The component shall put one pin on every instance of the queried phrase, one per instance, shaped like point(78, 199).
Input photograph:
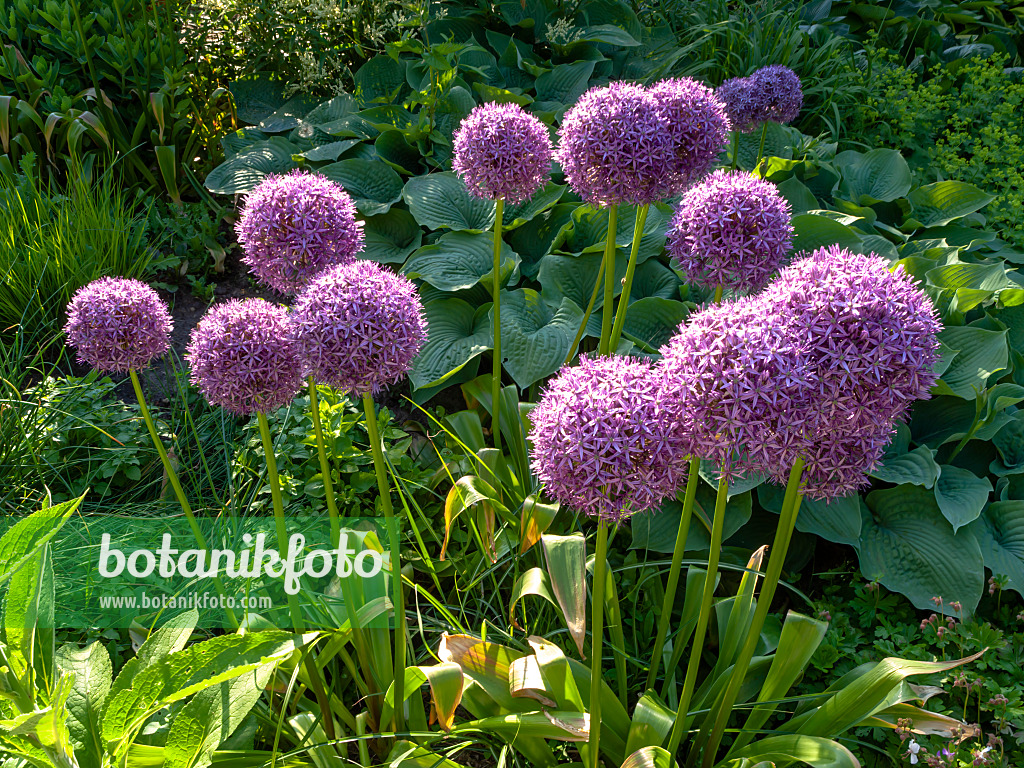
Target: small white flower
point(912, 749)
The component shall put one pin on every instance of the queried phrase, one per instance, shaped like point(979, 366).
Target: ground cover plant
point(668, 368)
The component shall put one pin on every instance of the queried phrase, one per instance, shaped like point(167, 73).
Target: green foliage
point(53, 243)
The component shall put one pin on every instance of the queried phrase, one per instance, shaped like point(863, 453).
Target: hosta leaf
point(590, 227)
point(330, 151)
point(460, 260)
point(441, 201)
point(236, 141)
point(607, 33)
point(535, 337)
point(1000, 532)
point(881, 174)
point(533, 240)
point(373, 184)
point(565, 83)
point(257, 96)
point(379, 79)
point(652, 278)
point(811, 231)
point(651, 322)
point(330, 111)
point(562, 276)
point(909, 547)
point(1009, 441)
point(456, 333)
point(938, 204)
point(838, 520)
point(251, 165)
point(961, 495)
point(394, 150)
point(917, 467)
point(542, 200)
point(288, 115)
point(981, 353)
point(391, 237)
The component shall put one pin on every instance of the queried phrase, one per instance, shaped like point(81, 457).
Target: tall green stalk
point(780, 547)
point(325, 466)
point(596, 641)
point(586, 315)
point(697, 650)
point(499, 210)
point(380, 468)
point(627, 285)
point(609, 280)
point(172, 477)
point(275, 495)
point(735, 149)
point(760, 148)
point(692, 481)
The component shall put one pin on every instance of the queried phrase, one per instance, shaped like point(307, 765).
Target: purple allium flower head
point(359, 326)
point(731, 230)
point(698, 125)
point(117, 324)
point(295, 225)
point(739, 95)
point(779, 94)
point(870, 337)
point(502, 152)
point(730, 377)
point(243, 357)
point(615, 146)
point(601, 440)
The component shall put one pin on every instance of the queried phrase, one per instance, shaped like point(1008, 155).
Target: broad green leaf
point(562, 276)
point(518, 214)
point(243, 172)
point(373, 184)
point(381, 78)
point(446, 685)
point(1009, 442)
point(493, 94)
point(25, 537)
point(288, 115)
point(394, 150)
point(917, 467)
point(961, 495)
point(566, 561)
point(234, 142)
point(607, 33)
point(649, 757)
point(981, 353)
point(468, 491)
point(1000, 533)
point(93, 674)
point(565, 83)
point(800, 198)
point(652, 321)
point(819, 752)
point(187, 672)
point(28, 621)
point(212, 716)
point(984, 277)
point(589, 230)
point(391, 237)
point(909, 547)
point(460, 260)
point(456, 333)
point(441, 201)
point(257, 96)
point(878, 175)
point(535, 337)
point(329, 112)
point(838, 520)
point(534, 582)
point(651, 724)
point(652, 278)
point(329, 152)
point(938, 204)
point(535, 239)
point(812, 231)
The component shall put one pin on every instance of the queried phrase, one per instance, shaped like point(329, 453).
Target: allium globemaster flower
point(739, 97)
point(731, 377)
point(731, 230)
point(502, 152)
point(871, 341)
point(243, 357)
point(295, 225)
point(615, 146)
point(601, 441)
point(358, 327)
point(771, 93)
point(118, 324)
point(697, 124)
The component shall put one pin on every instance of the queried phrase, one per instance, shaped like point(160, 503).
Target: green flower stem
point(596, 640)
point(275, 495)
point(586, 315)
point(735, 149)
point(325, 467)
point(696, 651)
point(396, 563)
point(718, 295)
point(692, 481)
point(609, 279)
point(627, 285)
point(760, 147)
point(780, 547)
point(499, 210)
point(172, 477)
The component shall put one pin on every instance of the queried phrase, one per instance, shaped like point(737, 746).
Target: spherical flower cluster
point(779, 93)
point(601, 440)
point(697, 124)
point(771, 93)
point(296, 225)
point(243, 357)
point(502, 152)
point(731, 376)
point(616, 147)
point(870, 338)
point(358, 327)
point(117, 324)
point(731, 230)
